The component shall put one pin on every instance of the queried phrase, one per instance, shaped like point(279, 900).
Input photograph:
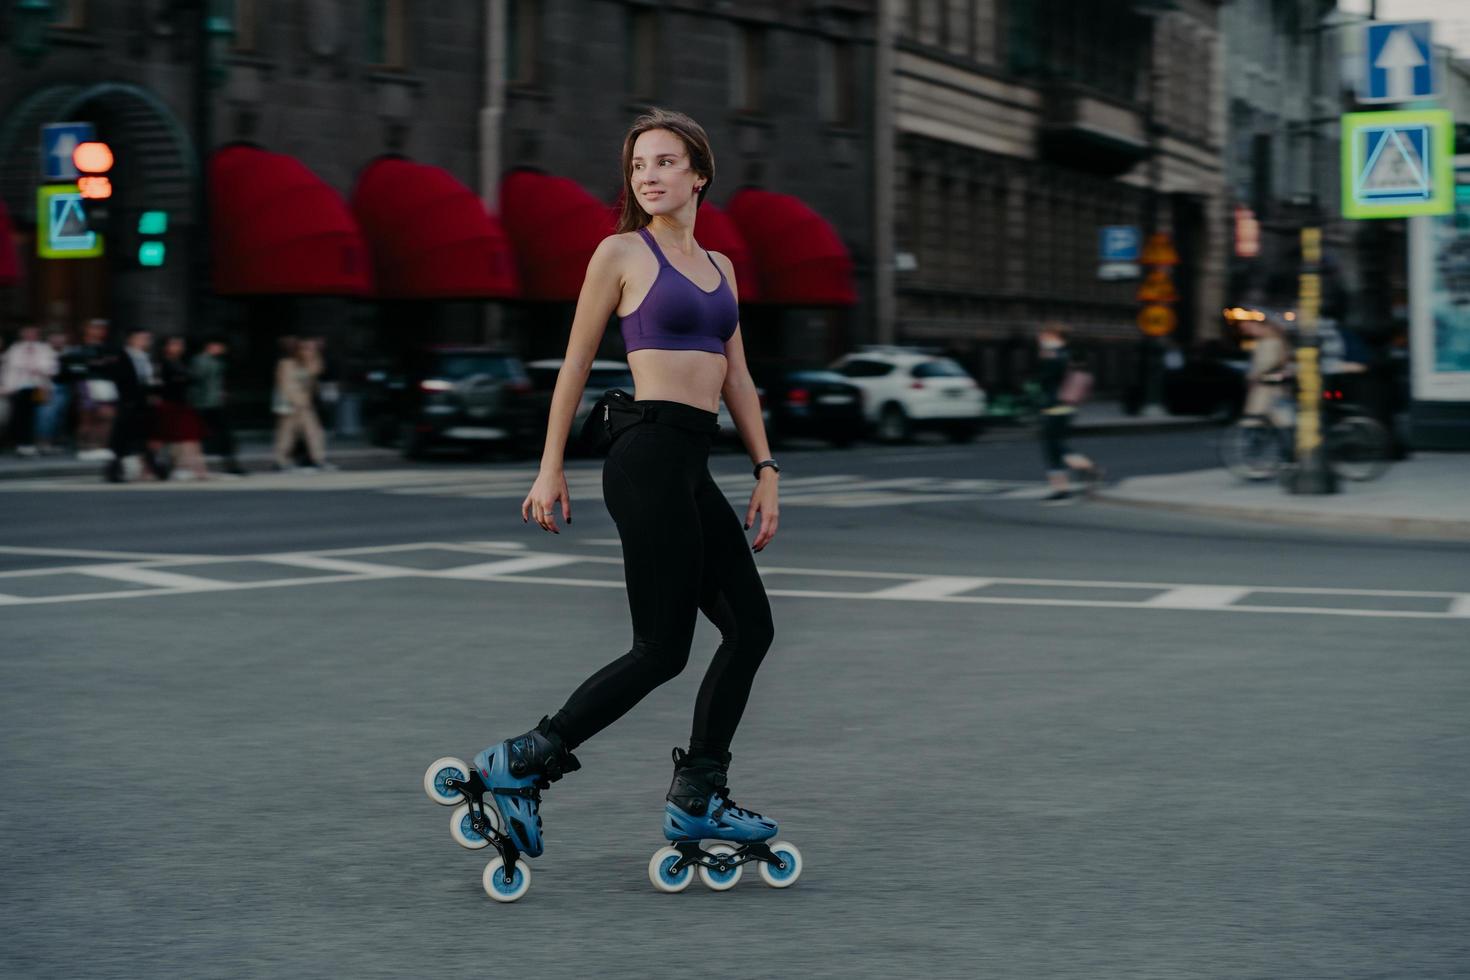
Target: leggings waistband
point(676, 414)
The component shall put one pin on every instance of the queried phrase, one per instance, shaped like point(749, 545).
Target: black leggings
point(684, 552)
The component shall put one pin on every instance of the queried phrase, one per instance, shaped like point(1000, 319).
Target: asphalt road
point(1010, 740)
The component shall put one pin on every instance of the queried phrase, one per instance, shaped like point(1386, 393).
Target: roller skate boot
point(699, 808)
point(512, 774)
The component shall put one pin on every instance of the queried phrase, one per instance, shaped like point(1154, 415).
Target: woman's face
point(661, 177)
point(174, 348)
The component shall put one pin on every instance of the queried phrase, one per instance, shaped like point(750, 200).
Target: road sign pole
point(1311, 474)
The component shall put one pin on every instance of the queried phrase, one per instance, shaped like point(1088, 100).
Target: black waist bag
point(615, 411)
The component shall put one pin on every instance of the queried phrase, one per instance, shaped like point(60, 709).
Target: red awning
point(714, 231)
point(554, 227)
point(276, 228)
point(9, 260)
point(429, 235)
point(800, 258)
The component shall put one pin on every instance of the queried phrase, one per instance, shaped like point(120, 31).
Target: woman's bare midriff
point(694, 377)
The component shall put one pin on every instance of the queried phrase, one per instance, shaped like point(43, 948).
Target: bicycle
point(1358, 447)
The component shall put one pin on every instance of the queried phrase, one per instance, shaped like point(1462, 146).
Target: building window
point(748, 69)
point(388, 33)
point(70, 14)
point(839, 83)
point(643, 52)
point(1100, 44)
point(523, 42)
point(245, 21)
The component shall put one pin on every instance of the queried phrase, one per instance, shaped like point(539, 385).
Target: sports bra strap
point(658, 252)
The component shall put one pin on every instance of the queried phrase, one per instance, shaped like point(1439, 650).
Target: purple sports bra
point(678, 315)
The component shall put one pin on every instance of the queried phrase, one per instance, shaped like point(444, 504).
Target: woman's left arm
point(744, 404)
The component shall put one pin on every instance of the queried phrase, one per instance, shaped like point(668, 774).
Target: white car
point(905, 390)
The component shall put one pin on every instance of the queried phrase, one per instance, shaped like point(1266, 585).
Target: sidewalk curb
point(1406, 527)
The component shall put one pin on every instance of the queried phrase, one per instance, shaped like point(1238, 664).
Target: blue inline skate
point(699, 808)
point(512, 773)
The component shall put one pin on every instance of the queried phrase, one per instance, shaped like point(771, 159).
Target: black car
point(466, 397)
point(815, 404)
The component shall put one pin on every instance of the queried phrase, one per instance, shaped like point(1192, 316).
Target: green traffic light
point(153, 223)
point(151, 254)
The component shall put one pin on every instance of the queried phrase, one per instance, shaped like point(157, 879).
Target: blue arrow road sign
point(58, 141)
point(1400, 62)
point(1119, 243)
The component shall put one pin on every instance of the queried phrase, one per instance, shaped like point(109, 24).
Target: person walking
point(136, 380)
point(1064, 386)
point(27, 371)
point(91, 365)
point(54, 413)
point(208, 396)
point(296, 374)
point(683, 548)
point(176, 423)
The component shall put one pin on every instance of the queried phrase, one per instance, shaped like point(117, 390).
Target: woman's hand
point(763, 502)
point(540, 503)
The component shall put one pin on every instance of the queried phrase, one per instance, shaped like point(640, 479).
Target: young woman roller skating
point(683, 548)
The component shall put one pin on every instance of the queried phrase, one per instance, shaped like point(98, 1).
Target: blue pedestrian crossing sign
point(1397, 164)
point(62, 231)
point(58, 142)
point(1400, 62)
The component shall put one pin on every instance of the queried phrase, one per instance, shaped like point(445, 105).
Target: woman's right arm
point(601, 290)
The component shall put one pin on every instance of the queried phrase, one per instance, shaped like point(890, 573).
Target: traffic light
point(152, 226)
point(93, 161)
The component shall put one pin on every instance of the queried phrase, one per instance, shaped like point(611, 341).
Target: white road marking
point(515, 563)
point(930, 588)
point(151, 576)
point(511, 566)
point(322, 563)
point(1197, 597)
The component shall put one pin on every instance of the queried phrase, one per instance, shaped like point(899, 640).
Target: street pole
point(1311, 474)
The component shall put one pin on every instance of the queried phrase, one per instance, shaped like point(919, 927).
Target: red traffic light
point(92, 158)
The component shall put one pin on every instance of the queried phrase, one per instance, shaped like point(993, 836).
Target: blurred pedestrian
point(176, 424)
point(91, 365)
point(53, 414)
point(26, 373)
point(1270, 361)
point(136, 380)
point(1064, 385)
point(296, 374)
point(210, 398)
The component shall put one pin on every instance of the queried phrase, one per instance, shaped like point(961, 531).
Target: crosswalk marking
point(1197, 597)
point(510, 566)
point(930, 588)
point(510, 563)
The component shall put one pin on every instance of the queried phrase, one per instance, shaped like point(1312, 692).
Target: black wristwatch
point(763, 464)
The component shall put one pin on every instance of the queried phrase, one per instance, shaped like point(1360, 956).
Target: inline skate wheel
point(441, 770)
point(720, 880)
point(461, 828)
point(785, 877)
point(658, 871)
point(495, 884)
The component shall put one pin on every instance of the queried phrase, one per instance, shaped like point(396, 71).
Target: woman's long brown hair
point(696, 144)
